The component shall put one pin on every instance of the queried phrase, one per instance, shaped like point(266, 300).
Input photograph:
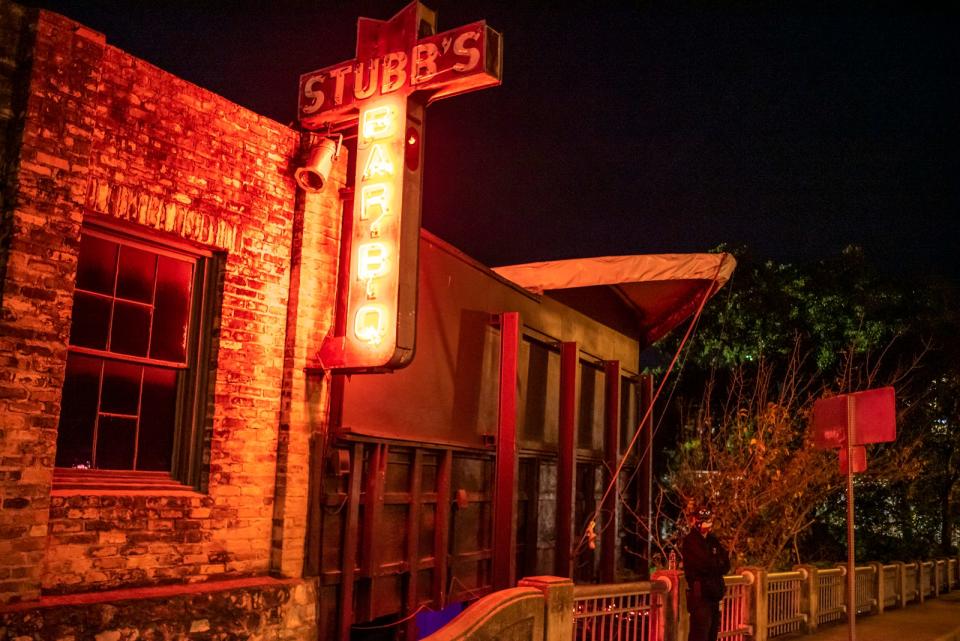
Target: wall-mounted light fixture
point(316, 170)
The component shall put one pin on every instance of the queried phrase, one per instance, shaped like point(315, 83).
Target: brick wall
point(108, 136)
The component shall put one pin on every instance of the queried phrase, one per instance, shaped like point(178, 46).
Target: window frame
point(193, 393)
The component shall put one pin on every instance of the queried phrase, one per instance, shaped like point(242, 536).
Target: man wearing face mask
point(705, 561)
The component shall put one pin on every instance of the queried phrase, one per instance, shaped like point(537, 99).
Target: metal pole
point(851, 561)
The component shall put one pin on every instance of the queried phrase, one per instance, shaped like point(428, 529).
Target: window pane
point(97, 266)
point(172, 310)
point(135, 274)
point(115, 443)
point(90, 322)
point(157, 419)
point(121, 388)
point(131, 329)
point(78, 412)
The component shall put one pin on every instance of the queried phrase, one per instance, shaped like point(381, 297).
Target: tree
point(778, 338)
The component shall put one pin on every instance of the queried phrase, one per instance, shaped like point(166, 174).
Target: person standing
point(705, 561)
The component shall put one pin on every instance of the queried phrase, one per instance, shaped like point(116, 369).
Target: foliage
point(776, 339)
point(753, 463)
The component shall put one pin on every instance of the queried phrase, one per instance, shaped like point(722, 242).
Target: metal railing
point(618, 612)
point(808, 597)
point(757, 604)
point(735, 609)
point(784, 612)
point(831, 588)
point(889, 585)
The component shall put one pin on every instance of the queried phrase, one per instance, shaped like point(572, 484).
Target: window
point(133, 395)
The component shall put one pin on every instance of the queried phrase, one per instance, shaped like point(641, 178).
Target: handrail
point(593, 591)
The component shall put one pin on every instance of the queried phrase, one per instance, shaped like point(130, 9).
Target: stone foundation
point(256, 608)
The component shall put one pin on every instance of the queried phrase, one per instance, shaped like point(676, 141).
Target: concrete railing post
point(810, 596)
point(936, 578)
point(558, 605)
point(758, 601)
point(672, 623)
point(879, 586)
point(901, 584)
point(920, 583)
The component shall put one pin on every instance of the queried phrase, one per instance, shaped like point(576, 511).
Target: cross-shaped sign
point(402, 65)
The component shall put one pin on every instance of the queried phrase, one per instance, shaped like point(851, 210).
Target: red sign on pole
point(383, 92)
point(874, 418)
point(847, 422)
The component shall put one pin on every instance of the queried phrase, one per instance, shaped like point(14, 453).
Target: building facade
point(162, 282)
point(174, 460)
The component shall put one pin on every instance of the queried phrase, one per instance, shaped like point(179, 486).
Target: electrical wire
point(613, 480)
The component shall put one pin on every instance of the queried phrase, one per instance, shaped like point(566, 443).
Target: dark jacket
point(705, 561)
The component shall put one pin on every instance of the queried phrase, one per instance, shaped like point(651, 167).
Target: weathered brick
point(108, 134)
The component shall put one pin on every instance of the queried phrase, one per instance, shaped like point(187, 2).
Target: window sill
point(73, 482)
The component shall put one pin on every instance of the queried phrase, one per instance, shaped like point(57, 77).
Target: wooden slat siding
point(611, 438)
point(350, 541)
point(566, 464)
point(441, 530)
point(413, 542)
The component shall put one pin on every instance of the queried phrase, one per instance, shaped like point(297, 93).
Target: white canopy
point(660, 289)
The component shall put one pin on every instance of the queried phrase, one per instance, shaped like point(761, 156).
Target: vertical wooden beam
point(373, 508)
point(441, 530)
point(372, 532)
point(413, 541)
point(611, 455)
point(645, 461)
point(567, 459)
point(504, 530)
point(350, 540)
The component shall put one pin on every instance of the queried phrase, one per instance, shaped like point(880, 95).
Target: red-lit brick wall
point(108, 136)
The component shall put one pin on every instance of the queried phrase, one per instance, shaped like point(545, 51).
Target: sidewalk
point(935, 620)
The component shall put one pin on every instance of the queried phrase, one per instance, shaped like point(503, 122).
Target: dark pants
point(704, 619)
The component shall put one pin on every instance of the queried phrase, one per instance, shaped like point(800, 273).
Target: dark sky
point(795, 131)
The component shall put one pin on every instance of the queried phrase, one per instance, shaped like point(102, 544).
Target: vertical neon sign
point(372, 297)
point(383, 93)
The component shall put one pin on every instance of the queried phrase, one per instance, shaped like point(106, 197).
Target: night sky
point(794, 131)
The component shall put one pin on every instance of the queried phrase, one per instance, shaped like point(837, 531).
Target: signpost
point(846, 423)
point(402, 65)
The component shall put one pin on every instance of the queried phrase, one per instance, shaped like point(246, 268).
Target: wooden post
point(810, 596)
point(645, 461)
point(758, 601)
point(441, 531)
point(567, 459)
point(558, 605)
point(504, 510)
point(350, 541)
point(611, 450)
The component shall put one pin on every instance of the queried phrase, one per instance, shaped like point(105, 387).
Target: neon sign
point(383, 93)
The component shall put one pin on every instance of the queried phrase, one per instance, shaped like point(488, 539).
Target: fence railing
point(621, 611)
point(758, 605)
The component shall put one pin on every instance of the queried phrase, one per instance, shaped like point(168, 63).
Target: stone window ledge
point(72, 482)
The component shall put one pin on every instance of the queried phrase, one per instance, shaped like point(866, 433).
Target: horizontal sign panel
point(446, 64)
point(874, 418)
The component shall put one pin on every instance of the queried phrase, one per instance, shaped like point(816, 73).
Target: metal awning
point(644, 295)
